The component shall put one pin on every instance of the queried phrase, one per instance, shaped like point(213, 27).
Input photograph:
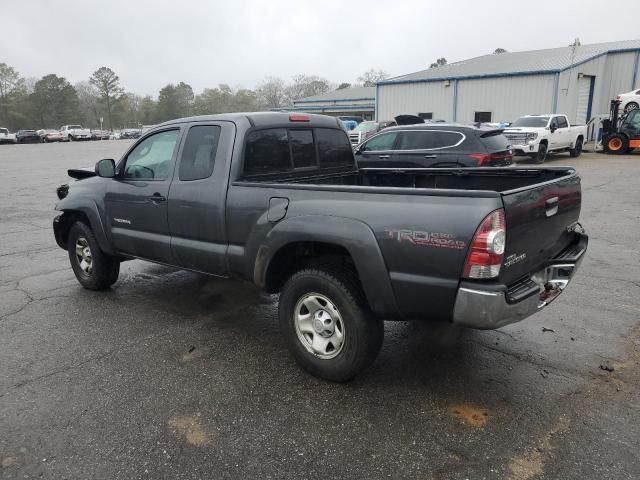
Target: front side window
point(554, 123)
point(302, 148)
point(151, 158)
point(267, 152)
point(383, 142)
point(199, 152)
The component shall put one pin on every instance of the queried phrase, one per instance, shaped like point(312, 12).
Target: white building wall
point(414, 98)
point(507, 98)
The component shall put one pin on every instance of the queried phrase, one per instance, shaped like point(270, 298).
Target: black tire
point(617, 144)
point(70, 138)
point(630, 106)
point(577, 149)
point(541, 155)
point(104, 269)
point(363, 333)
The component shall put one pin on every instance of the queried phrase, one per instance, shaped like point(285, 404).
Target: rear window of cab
point(278, 150)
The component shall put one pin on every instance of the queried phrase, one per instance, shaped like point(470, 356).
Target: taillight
point(487, 248)
point(485, 158)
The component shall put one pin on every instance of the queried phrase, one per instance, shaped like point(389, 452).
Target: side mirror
point(106, 168)
point(553, 128)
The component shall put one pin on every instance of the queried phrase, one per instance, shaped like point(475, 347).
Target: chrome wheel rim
point(319, 326)
point(83, 255)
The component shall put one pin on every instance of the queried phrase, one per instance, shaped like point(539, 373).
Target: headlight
point(531, 137)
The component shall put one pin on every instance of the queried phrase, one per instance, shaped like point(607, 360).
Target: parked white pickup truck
point(72, 133)
point(6, 137)
point(537, 135)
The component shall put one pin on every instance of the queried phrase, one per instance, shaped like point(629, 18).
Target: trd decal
point(419, 237)
point(122, 220)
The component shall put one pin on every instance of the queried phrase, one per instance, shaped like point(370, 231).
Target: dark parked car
point(130, 133)
point(276, 199)
point(28, 136)
point(435, 145)
point(100, 134)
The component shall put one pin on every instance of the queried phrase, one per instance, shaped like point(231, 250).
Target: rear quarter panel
point(423, 238)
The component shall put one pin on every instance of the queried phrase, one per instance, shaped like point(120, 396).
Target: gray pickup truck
point(277, 199)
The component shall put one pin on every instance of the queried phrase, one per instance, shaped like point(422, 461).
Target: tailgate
point(539, 222)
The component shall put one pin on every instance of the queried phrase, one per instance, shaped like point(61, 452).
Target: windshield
point(367, 127)
point(4, 130)
point(74, 127)
point(536, 122)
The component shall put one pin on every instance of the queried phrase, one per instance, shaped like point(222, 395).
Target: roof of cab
point(264, 119)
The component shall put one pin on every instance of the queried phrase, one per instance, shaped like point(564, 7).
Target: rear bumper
point(486, 309)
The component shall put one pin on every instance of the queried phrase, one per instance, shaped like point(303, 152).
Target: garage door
point(584, 89)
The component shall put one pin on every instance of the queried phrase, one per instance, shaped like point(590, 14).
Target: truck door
point(136, 201)
point(197, 197)
point(565, 135)
point(554, 134)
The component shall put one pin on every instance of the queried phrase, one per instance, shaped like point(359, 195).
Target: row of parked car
point(409, 141)
point(66, 133)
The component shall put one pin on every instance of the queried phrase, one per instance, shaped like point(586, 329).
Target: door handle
point(384, 156)
point(551, 206)
point(430, 156)
point(157, 198)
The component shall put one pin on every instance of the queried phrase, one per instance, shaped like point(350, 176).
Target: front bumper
point(526, 149)
point(481, 308)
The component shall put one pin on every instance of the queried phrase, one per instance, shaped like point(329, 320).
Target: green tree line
point(52, 100)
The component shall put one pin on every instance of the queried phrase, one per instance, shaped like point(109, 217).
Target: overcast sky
point(152, 43)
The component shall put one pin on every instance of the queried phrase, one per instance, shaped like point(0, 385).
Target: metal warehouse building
point(579, 81)
point(358, 101)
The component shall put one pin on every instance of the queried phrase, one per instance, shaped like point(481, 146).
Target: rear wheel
point(577, 149)
point(618, 144)
point(541, 155)
point(94, 269)
point(327, 324)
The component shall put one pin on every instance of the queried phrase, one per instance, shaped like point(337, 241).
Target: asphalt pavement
point(172, 374)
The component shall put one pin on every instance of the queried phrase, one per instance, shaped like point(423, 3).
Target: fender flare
point(92, 212)
point(353, 235)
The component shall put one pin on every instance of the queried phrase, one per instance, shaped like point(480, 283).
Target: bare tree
point(108, 85)
point(304, 86)
point(89, 103)
point(371, 77)
point(271, 92)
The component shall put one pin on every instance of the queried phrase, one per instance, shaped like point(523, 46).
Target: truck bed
point(467, 182)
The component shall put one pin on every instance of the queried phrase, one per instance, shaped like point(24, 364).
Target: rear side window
point(495, 142)
point(267, 152)
point(447, 139)
point(334, 148)
point(199, 152)
point(302, 148)
point(562, 122)
point(417, 140)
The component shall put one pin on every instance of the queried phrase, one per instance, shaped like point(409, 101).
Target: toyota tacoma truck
point(277, 199)
point(537, 135)
point(71, 133)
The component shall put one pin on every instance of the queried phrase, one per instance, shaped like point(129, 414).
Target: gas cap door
point(277, 208)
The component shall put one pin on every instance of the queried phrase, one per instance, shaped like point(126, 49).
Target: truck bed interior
point(488, 179)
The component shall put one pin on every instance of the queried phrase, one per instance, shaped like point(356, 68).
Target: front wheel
point(577, 149)
point(327, 324)
point(616, 143)
point(94, 269)
point(541, 155)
